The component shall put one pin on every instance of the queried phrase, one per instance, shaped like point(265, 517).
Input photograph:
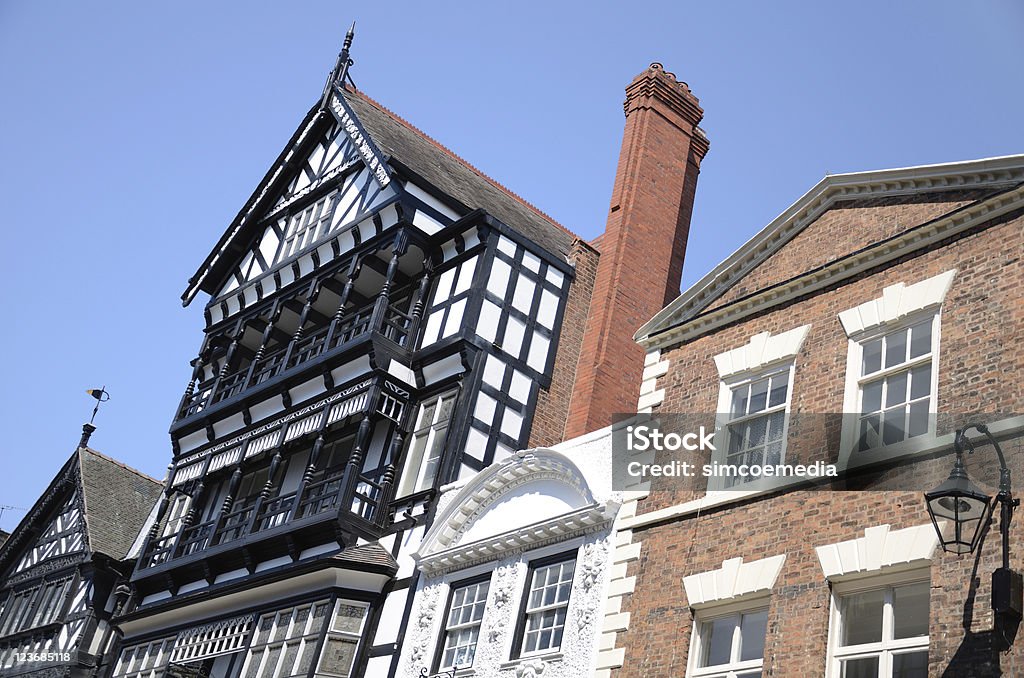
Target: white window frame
point(888, 646)
point(734, 668)
point(851, 454)
point(529, 611)
point(725, 420)
point(414, 474)
point(449, 628)
point(145, 660)
point(302, 229)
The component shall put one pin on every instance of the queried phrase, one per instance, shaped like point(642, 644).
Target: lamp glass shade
point(965, 506)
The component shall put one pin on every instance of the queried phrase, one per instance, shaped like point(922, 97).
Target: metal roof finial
point(340, 71)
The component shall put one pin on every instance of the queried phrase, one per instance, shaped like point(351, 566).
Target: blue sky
point(133, 132)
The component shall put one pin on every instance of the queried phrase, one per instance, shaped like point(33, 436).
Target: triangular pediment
point(799, 242)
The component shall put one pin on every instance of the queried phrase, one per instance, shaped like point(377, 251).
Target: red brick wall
point(643, 244)
point(979, 362)
point(553, 404)
point(846, 227)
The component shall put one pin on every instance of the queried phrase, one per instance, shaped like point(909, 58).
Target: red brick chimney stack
point(643, 245)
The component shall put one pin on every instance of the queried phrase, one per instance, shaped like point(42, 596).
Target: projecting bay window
point(426, 444)
point(148, 660)
point(34, 607)
point(285, 642)
point(896, 384)
point(462, 625)
point(757, 421)
point(542, 625)
point(729, 645)
point(306, 227)
point(880, 632)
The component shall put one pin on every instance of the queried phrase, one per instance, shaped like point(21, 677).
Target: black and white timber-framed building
point(381, 320)
point(61, 567)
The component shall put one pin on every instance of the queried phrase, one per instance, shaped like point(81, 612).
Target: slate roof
point(372, 554)
point(118, 499)
point(456, 177)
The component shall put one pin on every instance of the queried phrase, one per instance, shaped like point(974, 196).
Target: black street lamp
point(969, 509)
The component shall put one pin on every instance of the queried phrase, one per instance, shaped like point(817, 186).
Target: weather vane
point(101, 396)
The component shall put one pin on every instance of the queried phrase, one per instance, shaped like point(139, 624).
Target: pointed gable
point(320, 151)
point(93, 505)
point(810, 245)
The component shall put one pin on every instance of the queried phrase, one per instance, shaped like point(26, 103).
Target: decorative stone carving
point(530, 669)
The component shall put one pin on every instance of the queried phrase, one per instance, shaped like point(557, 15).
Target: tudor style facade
point(383, 321)
point(60, 568)
point(892, 297)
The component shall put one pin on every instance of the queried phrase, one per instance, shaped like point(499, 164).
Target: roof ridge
point(121, 464)
point(512, 194)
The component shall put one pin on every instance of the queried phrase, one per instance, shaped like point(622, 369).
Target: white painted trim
point(762, 349)
point(681, 320)
point(879, 548)
point(650, 395)
point(897, 302)
point(734, 579)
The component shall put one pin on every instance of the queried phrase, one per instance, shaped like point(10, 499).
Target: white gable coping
point(879, 548)
point(762, 350)
point(734, 579)
point(998, 172)
point(897, 301)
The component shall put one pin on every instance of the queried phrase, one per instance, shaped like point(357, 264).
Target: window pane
point(780, 385)
point(758, 395)
point(918, 419)
point(893, 424)
point(910, 665)
point(896, 389)
point(861, 668)
point(910, 610)
point(862, 618)
point(872, 399)
point(716, 637)
point(869, 432)
point(921, 339)
point(739, 401)
point(920, 381)
point(872, 360)
point(337, 656)
point(896, 348)
point(752, 630)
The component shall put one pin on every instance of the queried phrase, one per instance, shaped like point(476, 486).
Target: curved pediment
point(534, 496)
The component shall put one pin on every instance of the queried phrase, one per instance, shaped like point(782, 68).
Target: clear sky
point(132, 133)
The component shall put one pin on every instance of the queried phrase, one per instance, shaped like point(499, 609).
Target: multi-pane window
point(284, 642)
point(427, 443)
point(547, 602)
point(881, 633)
point(18, 611)
point(730, 646)
point(339, 653)
point(37, 606)
point(306, 227)
point(757, 422)
point(895, 385)
point(462, 626)
point(144, 661)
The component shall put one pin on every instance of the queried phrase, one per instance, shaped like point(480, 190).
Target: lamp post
point(969, 509)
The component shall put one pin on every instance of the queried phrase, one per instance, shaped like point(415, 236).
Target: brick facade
point(643, 244)
point(979, 360)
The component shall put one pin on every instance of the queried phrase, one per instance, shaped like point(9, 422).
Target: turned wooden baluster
point(421, 302)
point(346, 292)
point(268, 331)
point(307, 474)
